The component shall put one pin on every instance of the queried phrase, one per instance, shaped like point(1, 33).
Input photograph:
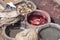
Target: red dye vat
point(37, 19)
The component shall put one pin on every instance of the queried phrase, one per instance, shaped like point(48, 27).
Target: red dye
point(37, 20)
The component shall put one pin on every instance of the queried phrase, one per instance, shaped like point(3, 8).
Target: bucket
point(42, 17)
point(50, 31)
point(9, 32)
